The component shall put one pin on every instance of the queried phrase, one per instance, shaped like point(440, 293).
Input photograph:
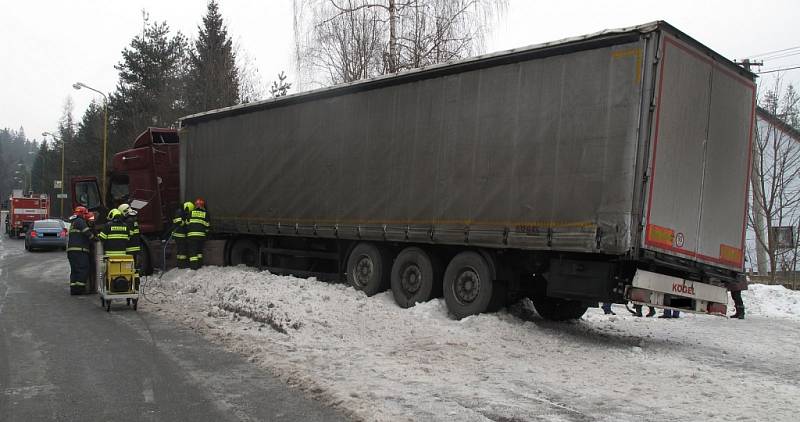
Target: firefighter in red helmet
point(196, 232)
point(78, 247)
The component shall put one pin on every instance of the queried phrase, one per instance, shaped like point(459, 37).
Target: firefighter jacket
point(179, 224)
point(134, 245)
point(198, 223)
point(115, 236)
point(80, 236)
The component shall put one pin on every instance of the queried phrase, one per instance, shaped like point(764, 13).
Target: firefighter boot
point(739, 313)
point(77, 288)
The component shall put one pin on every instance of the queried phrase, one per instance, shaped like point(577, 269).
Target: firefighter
point(134, 247)
point(179, 224)
point(196, 233)
point(115, 234)
point(78, 251)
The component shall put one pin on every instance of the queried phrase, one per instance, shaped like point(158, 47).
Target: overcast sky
point(46, 46)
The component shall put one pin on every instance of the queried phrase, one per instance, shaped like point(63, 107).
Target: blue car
point(46, 234)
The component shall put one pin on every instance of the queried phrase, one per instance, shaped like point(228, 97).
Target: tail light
point(63, 233)
point(639, 295)
point(717, 308)
point(32, 233)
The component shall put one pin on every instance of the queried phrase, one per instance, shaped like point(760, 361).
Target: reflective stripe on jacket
point(79, 235)
point(134, 245)
point(115, 237)
point(198, 223)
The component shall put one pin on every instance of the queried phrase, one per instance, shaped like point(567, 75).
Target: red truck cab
point(145, 176)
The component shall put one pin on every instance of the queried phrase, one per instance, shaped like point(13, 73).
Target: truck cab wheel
point(468, 285)
point(416, 277)
point(368, 268)
point(556, 309)
point(244, 251)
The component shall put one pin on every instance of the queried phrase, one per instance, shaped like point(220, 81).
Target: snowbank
point(376, 361)
point(771, 301)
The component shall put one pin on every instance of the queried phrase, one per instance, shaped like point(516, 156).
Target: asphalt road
point(65, 358)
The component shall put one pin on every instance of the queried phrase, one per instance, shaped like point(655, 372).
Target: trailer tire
point(468, 285)
point(244, 251)
point(557, 309)
point(416, 277)
point(368, 268)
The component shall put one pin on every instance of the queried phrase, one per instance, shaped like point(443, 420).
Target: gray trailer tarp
point(533, 149)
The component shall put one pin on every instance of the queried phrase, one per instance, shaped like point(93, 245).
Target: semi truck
point(23, 210)
point(610, 167)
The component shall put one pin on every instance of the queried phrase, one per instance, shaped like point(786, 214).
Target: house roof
point(776, 121)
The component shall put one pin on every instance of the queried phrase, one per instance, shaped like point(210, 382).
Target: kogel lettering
point(682, 288)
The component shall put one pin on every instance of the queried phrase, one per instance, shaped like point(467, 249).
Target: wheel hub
point(363, 271)
point(467, 285)
point(411, 279)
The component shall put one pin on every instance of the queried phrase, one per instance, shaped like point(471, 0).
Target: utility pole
point(759, 214)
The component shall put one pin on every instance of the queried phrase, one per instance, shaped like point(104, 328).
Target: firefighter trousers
point(181, 252)
point(195, 252)
point(79, 265)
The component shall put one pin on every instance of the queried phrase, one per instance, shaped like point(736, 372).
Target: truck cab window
point(119, 188)
point(87, 194)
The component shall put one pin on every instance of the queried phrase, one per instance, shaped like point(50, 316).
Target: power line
point(778, 70)
point(781, 56)
point(776, 51)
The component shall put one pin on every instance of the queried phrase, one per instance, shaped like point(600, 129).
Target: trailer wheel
point(415, 277)
point(468, 285)
point(368, 268)
point(244, 251)
point(557, 309)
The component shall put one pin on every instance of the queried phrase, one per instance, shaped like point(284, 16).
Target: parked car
point(46, 234)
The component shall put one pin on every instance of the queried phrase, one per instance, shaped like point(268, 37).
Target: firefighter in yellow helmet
point(180, 221)
point(115, 234)
point(196, 232)
point(134, 247)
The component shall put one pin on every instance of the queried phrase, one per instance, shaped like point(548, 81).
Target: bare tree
point(776, 175)
point(251, 86)
point(347, 40)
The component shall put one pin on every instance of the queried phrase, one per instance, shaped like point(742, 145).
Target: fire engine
point(23, 210)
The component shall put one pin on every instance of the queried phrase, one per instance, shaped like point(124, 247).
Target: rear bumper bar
point(663, 291)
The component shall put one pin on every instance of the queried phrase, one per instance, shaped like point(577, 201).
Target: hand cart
point(120, 281)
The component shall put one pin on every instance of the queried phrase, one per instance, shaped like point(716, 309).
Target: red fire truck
point(23, 210)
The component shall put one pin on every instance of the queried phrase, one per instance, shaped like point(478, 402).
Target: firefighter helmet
point(113, 213)
point(125, 209)
point(188, 206)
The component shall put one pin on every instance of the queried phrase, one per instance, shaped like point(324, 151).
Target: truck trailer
point(610, 167)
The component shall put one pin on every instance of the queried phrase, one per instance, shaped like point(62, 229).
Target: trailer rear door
point(700, 158)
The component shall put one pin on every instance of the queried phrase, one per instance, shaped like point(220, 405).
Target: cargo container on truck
point(608, 167)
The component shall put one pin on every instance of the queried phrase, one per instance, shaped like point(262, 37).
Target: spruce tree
point(213, 80)
point(151, 84)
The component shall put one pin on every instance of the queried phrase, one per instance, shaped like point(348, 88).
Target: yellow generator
point(120, 281)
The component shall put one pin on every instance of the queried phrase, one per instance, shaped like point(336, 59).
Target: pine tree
point(280, 87)
point(213, 80)
point(86, 151)
point(151, 85)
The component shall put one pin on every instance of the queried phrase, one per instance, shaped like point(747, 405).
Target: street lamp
point(61, 197)
point(79, 85)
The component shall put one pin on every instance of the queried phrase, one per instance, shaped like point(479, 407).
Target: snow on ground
point(376, 361)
